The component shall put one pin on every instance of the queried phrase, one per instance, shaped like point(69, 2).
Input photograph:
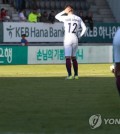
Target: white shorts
point(70, 45)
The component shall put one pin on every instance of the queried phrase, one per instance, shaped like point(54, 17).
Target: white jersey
point(72, 23)
point(116, 47)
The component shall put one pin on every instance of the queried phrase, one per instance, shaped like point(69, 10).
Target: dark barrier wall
point(1, 32)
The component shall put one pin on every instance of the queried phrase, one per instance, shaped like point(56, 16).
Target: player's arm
point(60, 16)
point(83, 26)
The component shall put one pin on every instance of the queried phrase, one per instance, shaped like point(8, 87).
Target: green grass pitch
point(36, 99)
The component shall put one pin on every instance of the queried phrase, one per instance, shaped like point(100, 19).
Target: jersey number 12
point(74, 26)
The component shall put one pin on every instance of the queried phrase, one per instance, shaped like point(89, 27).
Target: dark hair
point(2, 9)
point(34, 9)
point(69, 6)
point(52, 11)
point(23, 35)
point(22, 10)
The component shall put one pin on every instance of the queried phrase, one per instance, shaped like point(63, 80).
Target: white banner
point(55, 54)
point(36, 32)
point(47, 32)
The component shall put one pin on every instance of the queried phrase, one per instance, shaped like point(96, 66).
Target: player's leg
point(75, 66)
point(68, 51)
point(74, 59)
point(117, 75)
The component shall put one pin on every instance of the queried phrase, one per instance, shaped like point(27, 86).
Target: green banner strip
point(13, 55)
point(102, 33)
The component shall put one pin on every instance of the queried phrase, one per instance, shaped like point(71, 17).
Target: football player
point(116, 58)
point(72, 25)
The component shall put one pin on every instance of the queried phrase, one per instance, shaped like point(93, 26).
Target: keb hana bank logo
point(10, 30)
point(35, 31)
point(95, 121)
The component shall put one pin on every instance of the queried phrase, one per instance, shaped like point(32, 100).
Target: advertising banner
point(47, 32)
point(36, 32)
point(13, 55)
point(102, 33)
point(55, 54)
